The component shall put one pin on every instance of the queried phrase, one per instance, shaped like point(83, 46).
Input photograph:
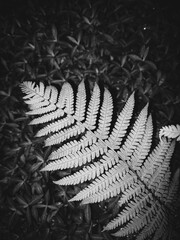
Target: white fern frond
point(153, 161)
point(141, 219)
point(73, 146)
point(130, 211)
point(143, 148)
point(56, 126)
point(106, 112)
point(81, 102)
point(135, 135)
point(102, 182)
point(63, 135)
point(157, 225)
point(91, 171)
point(93, 108)
point(77, 159)
point(121, 125)
point(171, 131)
point(117, 157)
point(173, 188)
point(112, 189)
point(57, 113)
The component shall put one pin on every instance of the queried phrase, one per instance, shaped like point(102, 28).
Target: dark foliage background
point(124, 45)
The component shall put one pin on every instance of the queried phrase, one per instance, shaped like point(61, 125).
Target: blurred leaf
point(36, 199)
point(22, 201)
point(97, 237)
point(134, 57)
point(73, 40)
point(54, 32)
point(87, 213)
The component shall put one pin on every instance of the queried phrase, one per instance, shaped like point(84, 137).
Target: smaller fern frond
point(153, 161)
point(112, 189)
point(105, 116)
point(77, 159)
point(93, 108)
point(135, 135)
point(56, 126)
point(173, 188)
point(80, 102)
point(117, 157)
point(65, 134)
point(130, 211)
point(170, 132)
point(51, 114)
point(90, 171)
point(73, 146)
point(141, 219)
point(157, 225)
point(143, 148)
point(102, 182)
point(122, 123)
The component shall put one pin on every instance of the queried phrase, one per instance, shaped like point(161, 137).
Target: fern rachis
point(117, 160)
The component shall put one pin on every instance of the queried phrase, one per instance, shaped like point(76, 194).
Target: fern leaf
point(93, 108)
point(153, 161)
point(77, 159)
point(131, 192)
point(143, 218)
point(27, 88)
point(173, 188)
point(56, 113)
point(112, 189)
point(43, 110)
point(170, 132)
point(102, 182)
point(160, 179)
point(130, 211)
point(118, 158)
point(158, 225)
point(121, 125)
point(91, 171)
point(56, 126)
point(135, 135)
point(81, 102)
point(87, 140)
point(105, 116)
point(64, 135)
point(143, 148)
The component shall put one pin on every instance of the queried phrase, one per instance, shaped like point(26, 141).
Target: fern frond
point(56, 126)
point(141, 219)
point(170, 132)
point(118, 158)
point(73, 146)
point(135, 135)
point(130, 211)
point(157, 225)
point(173, 188)
point(63, 135)
point(54, 114)
point(91, 171)
point(153, 161)
point(93, 108)
point(143, 148)
point(105, 116)
point(121, 125)
point(80, 102)
point(103, 182)
point(112, 189)
point(77, 159)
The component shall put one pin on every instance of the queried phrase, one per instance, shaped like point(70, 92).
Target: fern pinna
point(117, 159)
